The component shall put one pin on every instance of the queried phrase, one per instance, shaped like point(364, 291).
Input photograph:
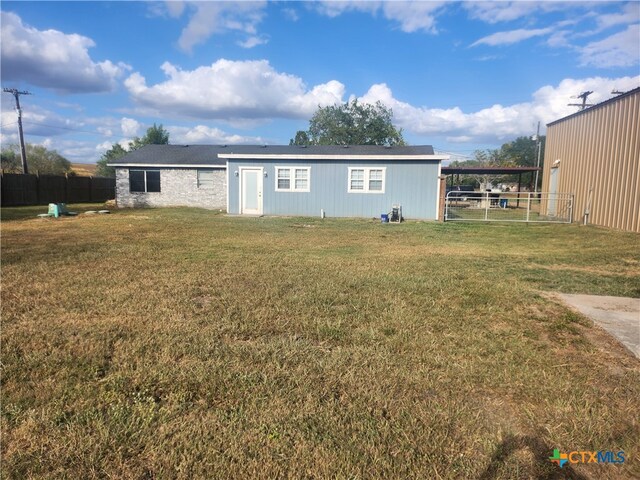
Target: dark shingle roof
point(173, 155)
point(208, 154)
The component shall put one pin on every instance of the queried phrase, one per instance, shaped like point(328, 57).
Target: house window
point(293, 179)
point(366, 180)
point(144, 181)
point(205, 178)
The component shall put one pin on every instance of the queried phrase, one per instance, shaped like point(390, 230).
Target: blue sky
point(458, 75)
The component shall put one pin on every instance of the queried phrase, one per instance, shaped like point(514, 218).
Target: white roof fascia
point(288, 156)
point(160, 165)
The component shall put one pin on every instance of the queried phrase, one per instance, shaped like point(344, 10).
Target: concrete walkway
point(620, 316)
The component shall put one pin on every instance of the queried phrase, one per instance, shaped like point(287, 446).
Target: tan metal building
point(595, 155)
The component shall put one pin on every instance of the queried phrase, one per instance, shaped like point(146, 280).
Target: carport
point(452, 171)
point(518, 206)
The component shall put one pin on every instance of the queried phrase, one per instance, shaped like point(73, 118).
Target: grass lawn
point(179, 343)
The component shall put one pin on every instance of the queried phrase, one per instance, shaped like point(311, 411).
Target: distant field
point(179, 343)
point(84, 169)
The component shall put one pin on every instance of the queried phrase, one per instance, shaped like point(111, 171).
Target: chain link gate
point(508, 207)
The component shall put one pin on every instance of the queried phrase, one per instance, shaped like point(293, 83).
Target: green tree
point(39, 159)
point(155, 135)
point(351, 123)
point(115, 152)
point(302, 138)
point(523, 152)
point(10, 160)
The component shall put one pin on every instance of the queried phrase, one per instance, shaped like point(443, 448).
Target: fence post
point(528, 205)
point(486, 206)
point(571, 208)
point(443, 198)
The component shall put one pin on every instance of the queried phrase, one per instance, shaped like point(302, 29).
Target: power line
point(8, 124)
point(70, 128)
point(584, 103)
point(16, 94)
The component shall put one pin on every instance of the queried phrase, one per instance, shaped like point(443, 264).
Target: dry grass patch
point(178, 343)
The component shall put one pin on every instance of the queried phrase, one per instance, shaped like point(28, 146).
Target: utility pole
point(539, 146)
point(584, 103)
point(16, 93)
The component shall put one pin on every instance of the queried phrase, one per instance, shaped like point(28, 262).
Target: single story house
point(338, 181)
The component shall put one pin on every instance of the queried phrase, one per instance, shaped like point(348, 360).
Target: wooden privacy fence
point(20, 189)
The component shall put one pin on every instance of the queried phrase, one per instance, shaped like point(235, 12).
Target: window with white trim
point(366, 179)
point(143, 181)
point(293, 179)
point(205, 179)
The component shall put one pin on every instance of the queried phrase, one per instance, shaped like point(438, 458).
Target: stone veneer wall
point(178, 187)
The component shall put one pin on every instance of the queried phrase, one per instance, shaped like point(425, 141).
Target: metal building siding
point(412, 184)
point(599, 148)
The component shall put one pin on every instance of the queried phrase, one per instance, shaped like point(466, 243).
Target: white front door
point(251, 191)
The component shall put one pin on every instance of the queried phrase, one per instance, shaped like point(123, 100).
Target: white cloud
point(488, 58)
point(512, 36)
point(252, 42)
point(558, 39)
point(175, 8)
point(621, 49)
point(232, 90)
point(412, 16)
point(291, 14)
point(215, 18)
point(53, 59)
point(336, 8)
point(495, 12)
point(129, 126)
point(201, 134)
point(497, 123)
point(630, 14)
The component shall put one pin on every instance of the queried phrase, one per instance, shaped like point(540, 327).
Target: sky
point(459, 76)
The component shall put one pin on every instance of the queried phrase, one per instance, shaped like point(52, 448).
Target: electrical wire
point(69, 128)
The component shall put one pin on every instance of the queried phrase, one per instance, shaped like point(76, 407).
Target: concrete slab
point(620, 316)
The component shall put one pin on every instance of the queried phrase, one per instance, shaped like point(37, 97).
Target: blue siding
point(412, 184)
